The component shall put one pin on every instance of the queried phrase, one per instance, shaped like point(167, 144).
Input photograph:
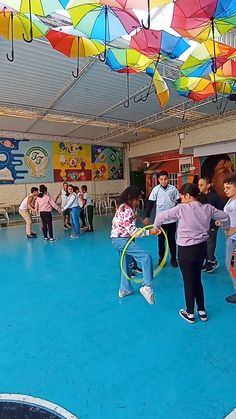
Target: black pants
point(170, 230)
point(46, 218)
point(211, 243)
point(90, 216)
point(191, 259)
point(82, 217)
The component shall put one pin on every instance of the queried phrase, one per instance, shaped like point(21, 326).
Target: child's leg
point(43, 216)
point(185, 264)
point(171, 233)
point(125, 284)
point(145, 259)
point(230, 246)
point(49, 224)
point(82, 217)
point(74, 216)
point(211, 244)
point(90, 216)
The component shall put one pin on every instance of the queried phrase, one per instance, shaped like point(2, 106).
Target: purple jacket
point(193, 221)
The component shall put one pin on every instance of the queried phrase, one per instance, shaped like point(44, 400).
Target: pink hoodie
point(45, 203)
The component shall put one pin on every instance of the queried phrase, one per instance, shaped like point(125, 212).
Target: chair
point(5, 217)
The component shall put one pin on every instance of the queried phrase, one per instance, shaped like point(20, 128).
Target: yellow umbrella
point(12, 26)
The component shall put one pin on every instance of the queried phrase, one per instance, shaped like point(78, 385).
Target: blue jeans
point(141, 256)
point(74, 218)
point(230, 246)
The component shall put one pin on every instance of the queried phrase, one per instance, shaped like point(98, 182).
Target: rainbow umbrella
point(226, 73)
point(155, 43)
point(102, 22)
point(127, 61)
point(37, 7)
point(13, 25)
point(161, 88)
point(73, 44)
point(194, 88)
point(207, 57)
point(203, 19)
point(126, 5)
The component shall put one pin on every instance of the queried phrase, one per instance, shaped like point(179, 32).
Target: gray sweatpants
point(211, 244)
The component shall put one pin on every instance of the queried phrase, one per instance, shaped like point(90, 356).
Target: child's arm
point(58, 196)
point(222, 219)
point(164, 216)
point(54, 205)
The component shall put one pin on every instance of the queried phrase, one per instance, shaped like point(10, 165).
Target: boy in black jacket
point(213, 199)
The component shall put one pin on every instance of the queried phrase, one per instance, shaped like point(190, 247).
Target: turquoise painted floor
point(67, 338)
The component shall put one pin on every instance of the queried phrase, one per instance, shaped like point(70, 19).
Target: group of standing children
point(73, 204)
point(197, 221)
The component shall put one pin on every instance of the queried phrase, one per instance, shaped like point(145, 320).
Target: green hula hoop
point(158, 268)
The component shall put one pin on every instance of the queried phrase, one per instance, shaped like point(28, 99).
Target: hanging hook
point(103, 59)
point(11, 59)
point(222, 99)
point(127, 102)
point(75, 74)
point(31, 26)
point(149, 17)
point(184, 119)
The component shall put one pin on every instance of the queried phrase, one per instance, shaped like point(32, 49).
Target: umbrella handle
point(75, 74)
point(31, 26)
point(104, 57)
point(148, 19)
point(127, 103)
point(11, 59)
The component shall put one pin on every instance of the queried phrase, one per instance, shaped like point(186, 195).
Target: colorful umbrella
point(206, 57)
point(162, 90)
point(71, 43)
point(37, 7)
point(226, 73)
point(154, 43)
point(127, 61)
point(194, 88)
point(102, 22)
point(13, 25)
point(203, 19)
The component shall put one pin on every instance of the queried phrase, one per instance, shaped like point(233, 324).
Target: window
point(185, 168)
point(173, 179)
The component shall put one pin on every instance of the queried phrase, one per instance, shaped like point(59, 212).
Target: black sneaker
point(137, 270)
point(205, 266)
point(32, 236)
point(231, 299)
point(65, 227)
point(186, 316)
point(202, 315)
point(69, 225)
point(174, 263)
point(212, 266)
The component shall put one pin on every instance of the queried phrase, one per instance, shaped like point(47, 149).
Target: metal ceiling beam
point(73, 82)
point(158, 117)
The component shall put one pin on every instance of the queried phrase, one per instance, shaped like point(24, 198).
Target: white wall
point(213, 132)
point(13, 194)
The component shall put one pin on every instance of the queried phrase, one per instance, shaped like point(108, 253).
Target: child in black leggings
point(193, 216)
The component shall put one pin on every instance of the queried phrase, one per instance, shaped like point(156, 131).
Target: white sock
point(201, 312)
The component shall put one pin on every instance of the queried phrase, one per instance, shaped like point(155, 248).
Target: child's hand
point(230, 231)
point(217, 223)
point(154, 232)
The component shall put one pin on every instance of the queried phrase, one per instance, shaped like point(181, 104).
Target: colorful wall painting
point(107, 163)
point(23, 161)
point(71, 162)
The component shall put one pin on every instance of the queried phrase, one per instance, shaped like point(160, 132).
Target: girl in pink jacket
point(44, 205)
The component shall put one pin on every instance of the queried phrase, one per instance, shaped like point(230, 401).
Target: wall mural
point(25, 161)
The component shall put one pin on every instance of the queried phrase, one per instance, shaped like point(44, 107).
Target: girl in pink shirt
point(44, 205)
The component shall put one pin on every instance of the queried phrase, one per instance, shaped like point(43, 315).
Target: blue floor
point(67, 338)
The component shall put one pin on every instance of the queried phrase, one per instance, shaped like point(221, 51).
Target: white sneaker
point(122, 293)
point(147, 293)
point(73, 236)
point(52, 240)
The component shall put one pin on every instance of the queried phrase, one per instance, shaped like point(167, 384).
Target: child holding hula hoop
point(194, 216)
point(123, 227)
